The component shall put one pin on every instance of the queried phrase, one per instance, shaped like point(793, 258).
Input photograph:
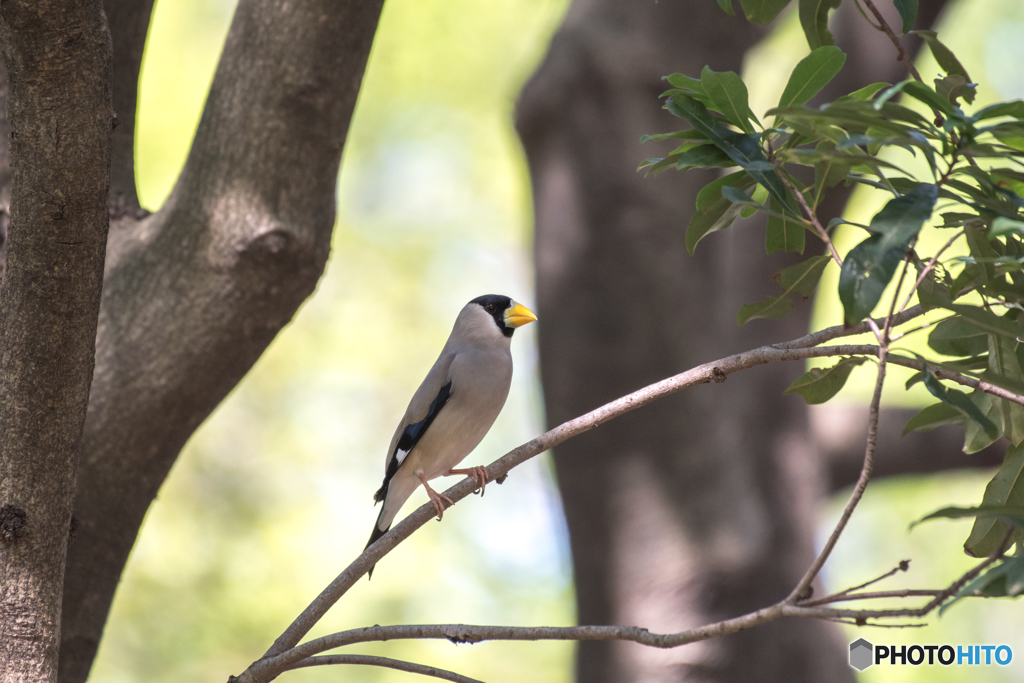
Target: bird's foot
point(436, 498)
point(479, 474)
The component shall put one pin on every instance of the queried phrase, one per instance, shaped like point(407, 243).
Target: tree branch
point(901, 54)
point(803, 588)
point(386, 662)
point(268, 668)
point(129, 25)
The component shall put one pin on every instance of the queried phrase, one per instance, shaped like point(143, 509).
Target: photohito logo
point(864, 654)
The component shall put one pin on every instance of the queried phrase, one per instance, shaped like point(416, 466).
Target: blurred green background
point(272, 497)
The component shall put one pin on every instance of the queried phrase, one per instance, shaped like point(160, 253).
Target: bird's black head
point(496, 305)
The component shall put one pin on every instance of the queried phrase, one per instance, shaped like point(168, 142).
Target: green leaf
point(958, 337)
point(829, 171)
point(960, 401)
point(935, 415)
point(712, 192)
point(818, 385)
point(745, 150)
point(1003, 226)
point(977, 436)
point(729, 95)
point(870, 265)
point(865, 93)
point(703, 156)
point(1014, 109)
point(678, 134)
point(685, 82)
point(1004, 370)
point(814, 19)
point(943, 55)
point(988, 321)
point(785, 233)
point(932, 293)
point(1005, 489)
point(811, 74)
point(935, 100)
point(799, 280)
point(762, 11)
point(865, 273)
point(901, 218)
point(726, 6)
point(736, 195)
point(1013, 514)
point(715, 212)
point(908, 13)
point(954, 86)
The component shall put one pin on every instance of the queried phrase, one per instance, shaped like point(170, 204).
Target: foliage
point(970, 192)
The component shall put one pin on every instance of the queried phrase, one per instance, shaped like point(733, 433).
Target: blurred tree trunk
point(702, 506)
point(191, 294)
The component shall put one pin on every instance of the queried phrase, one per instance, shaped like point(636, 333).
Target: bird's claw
point(438, 505)
point(479, 474)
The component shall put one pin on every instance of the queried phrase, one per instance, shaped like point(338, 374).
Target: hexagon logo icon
point(861, 654)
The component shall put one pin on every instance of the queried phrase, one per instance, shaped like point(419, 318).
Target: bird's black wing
point(411, 436)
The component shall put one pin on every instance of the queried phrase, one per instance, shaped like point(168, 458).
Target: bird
point(453, 408)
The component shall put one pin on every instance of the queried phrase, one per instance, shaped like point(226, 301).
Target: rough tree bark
point(58, 57)
point(711, 514)
point(191, 294)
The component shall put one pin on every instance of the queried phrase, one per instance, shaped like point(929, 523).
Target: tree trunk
point(702, 506)
point(58, 59)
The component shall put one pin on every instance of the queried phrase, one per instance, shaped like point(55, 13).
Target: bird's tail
point(377, 533)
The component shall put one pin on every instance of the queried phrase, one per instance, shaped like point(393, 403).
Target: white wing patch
point(400, 455)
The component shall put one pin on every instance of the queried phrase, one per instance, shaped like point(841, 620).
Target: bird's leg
point(435, 498)
point(479, 474)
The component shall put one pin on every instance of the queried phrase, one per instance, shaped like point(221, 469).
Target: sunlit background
point(272, 497)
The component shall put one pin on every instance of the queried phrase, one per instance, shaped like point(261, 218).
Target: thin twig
point(901, 567)
point(965, 380)
point(813, 218)
point(802, 590)
point(895, 297)
point(872, 595)
point(386, 662)
point(901, 54)
point(919, 328)
point(928, 268)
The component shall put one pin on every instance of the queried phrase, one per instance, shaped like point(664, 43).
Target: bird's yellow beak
point(518, 315)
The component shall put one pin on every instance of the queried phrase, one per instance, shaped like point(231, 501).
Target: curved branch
point(386, 662)
point(803, 588)
point(267, 669)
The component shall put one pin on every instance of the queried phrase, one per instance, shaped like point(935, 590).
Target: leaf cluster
point(971, 193)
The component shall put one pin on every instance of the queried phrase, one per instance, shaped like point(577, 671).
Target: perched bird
point(454, 407)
